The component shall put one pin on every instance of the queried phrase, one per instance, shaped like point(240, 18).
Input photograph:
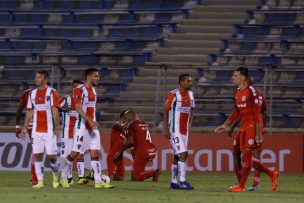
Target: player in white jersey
point(87, 128)
point(178, 115)
point(69, 119)
point(42, 106)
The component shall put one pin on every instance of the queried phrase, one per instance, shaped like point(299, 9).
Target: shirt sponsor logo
point(242, 105)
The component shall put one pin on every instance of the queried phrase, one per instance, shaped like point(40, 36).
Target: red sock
point(259, 166)
point(246, 167)
point(238, 173)
point(143, 176)
point(33, 172)
point(256, 179)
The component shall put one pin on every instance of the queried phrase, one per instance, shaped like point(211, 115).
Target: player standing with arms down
point(42, 107)
point(248, 103)
point(22, 105)
point(138, 135)
point(178, 115)
point(87, 128)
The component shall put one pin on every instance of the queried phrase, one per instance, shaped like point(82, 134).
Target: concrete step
point(217, 15)
point(205, 29)
point(211, 22)
point(198, 36)
point(171, 73)
point(224, 8)
point(156, 63)
point(153, 80)
point(187, 50)
point(230, 2)
point(194, 43)
point(180, 58)
point(151, 87)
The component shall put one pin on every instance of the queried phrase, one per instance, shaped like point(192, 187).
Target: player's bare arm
point(56, 121)
point(28, 118)
point(166, 127)
point(224, 127)
point(93, 124)
point(126, 145)
point(18, 116)
point(258, 134)
point(233, 125)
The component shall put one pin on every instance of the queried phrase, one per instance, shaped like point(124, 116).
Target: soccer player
point(116, 169)
point(248, 102)
point(138, 135)
point(178, 115)
point(22, 105)
point(42, 107)
point(87, 128)
point(69, 118)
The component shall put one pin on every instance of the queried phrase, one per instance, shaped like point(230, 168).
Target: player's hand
point(167, 133)
point(258, 138)
point(93, 124)
point(221, 129)
point(18, 131)
point(23, 133)
point(57, 132)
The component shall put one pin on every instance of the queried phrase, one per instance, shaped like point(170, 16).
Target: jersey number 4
point(148, 136)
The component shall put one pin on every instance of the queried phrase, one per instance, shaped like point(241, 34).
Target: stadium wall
point(207, 153)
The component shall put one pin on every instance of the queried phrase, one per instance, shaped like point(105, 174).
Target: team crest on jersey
point(243, 98)
point(40, 99)
point(250, 141)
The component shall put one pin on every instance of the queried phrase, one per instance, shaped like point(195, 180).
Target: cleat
point(253, 188)
point(90, 175)
point(56, 182)
point(274, 180)
point(237, 188)
point(39, 185)
point(103, 185)
point(185, 186)
point(70, 181)
point(156, 175)
point(64, 183)
point(82, 181)
point(174, 186)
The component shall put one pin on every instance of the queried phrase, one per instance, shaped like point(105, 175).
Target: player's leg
point(65, 150)
point(80, 169)
point(139, 165)
point(237, 160)
point(51, 151)
point(34, 179)
point(116, 170)
point(94, 146)
point(175, 173)
point(257, 173)
point(38, 151)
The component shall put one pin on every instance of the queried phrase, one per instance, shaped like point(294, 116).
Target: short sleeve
point(55, 99)
point(62, 102)
point(29, 104)
point(77, 95)
point(169, 101)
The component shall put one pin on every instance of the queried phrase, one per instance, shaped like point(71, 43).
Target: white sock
point(97, 171)
point(80, 169)
point(182, 168)
point(65, 169)
point(70, 173)
point(174, 173)
point(39, 170)
point(55, 166)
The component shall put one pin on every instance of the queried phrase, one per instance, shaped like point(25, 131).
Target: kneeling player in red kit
point(138, 135)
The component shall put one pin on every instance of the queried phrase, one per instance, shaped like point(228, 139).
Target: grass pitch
point(209, 187)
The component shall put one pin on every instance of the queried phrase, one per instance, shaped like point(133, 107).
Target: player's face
point(40, 80)
point(238, 78)
point(186, 83)
point(74, 85)
point(94, 77)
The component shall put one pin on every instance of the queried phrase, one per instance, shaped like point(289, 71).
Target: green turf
point(209, 187)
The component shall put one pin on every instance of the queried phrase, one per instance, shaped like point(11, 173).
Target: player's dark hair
point(89, 71)
point(245, 72)
point(122, 114)
point(43, 72)
point(77, 81)
point(182, 77)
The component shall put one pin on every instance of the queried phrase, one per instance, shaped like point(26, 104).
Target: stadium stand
point(142, 46)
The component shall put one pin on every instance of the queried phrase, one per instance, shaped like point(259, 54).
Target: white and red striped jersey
point(87, 98)
point(68, 118)
point(42, 101)
point(179, 106)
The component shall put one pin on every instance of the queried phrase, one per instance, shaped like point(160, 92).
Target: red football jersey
point(141, 139)
point(23, 104)
point(117, 139)
point(249, 104)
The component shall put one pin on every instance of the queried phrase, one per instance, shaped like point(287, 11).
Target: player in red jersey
point(116, 169)
point(138, 135)
point(22, 105)
point(248, 103)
